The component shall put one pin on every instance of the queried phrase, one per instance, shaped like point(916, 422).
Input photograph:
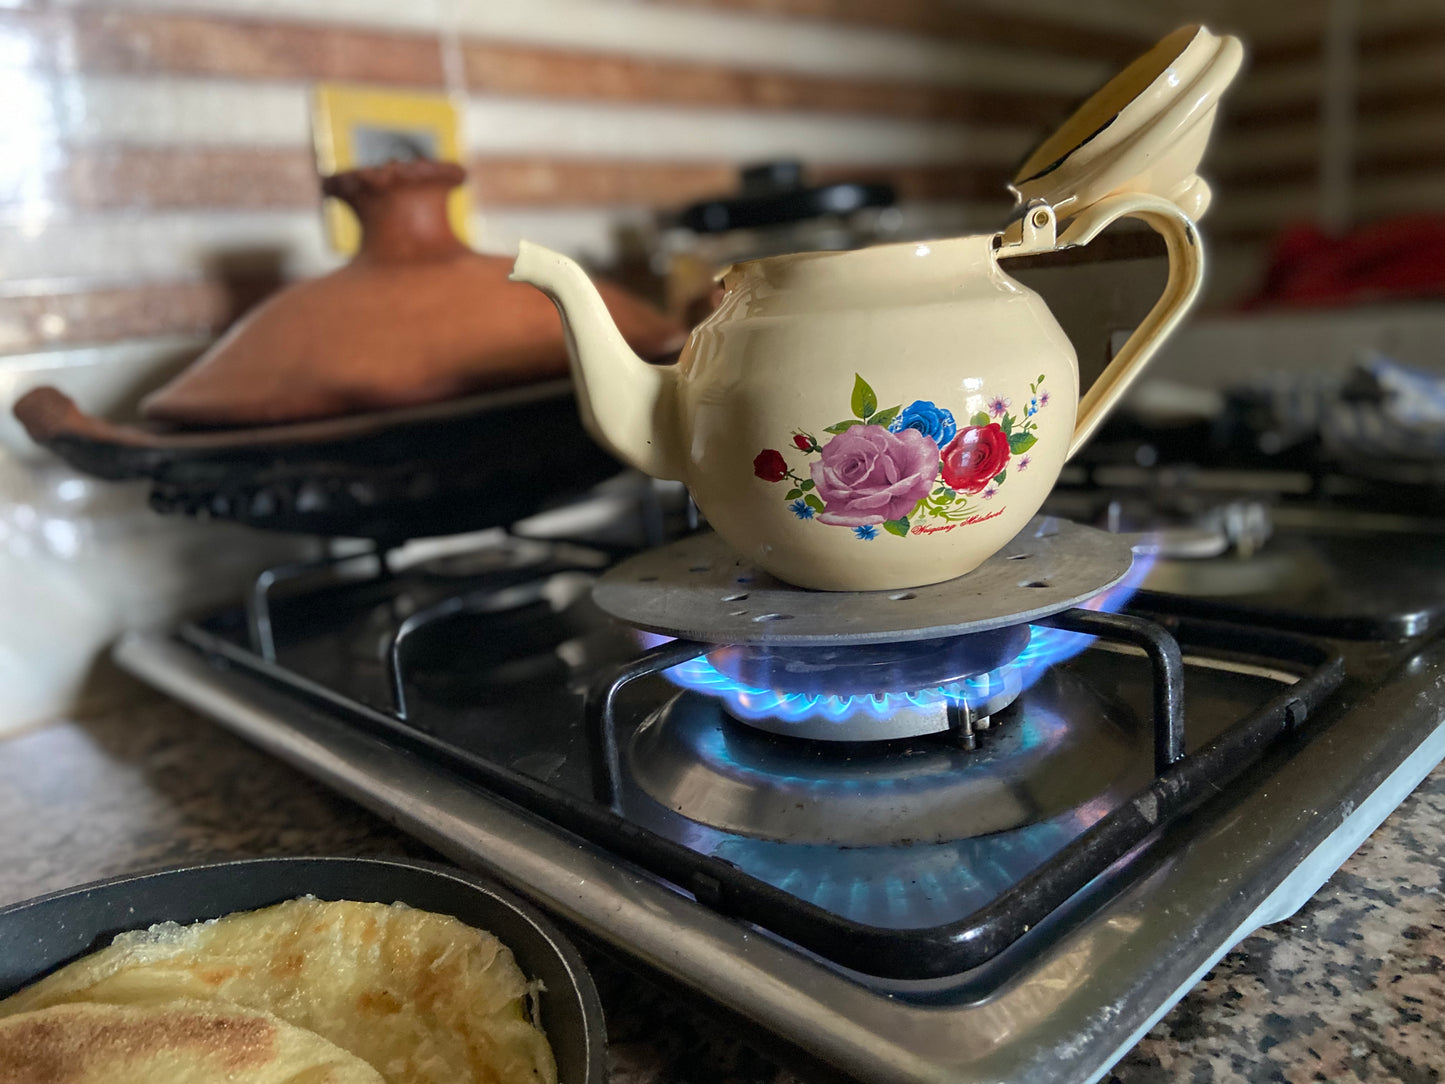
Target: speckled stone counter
point(1351, 988)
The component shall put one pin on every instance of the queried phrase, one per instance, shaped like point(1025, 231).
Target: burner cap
point(699, 589)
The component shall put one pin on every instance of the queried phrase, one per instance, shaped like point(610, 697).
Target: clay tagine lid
point(415, 317)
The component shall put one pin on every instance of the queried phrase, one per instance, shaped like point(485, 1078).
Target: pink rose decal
point(868, 475)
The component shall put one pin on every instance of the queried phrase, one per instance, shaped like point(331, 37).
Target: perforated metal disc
point(699, 589)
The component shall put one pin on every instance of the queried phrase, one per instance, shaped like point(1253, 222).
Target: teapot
point(890, 417)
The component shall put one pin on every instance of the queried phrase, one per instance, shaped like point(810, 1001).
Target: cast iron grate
point(1182, 780)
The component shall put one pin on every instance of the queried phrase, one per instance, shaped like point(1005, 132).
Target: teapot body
point(874, 420)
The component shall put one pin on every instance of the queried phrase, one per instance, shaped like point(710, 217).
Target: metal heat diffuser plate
point(698, 588)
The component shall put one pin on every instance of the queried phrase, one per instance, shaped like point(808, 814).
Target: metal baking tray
point(40, 935)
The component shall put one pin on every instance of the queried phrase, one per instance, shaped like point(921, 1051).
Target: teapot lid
point(1144, 130)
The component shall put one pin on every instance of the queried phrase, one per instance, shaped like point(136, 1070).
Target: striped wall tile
point(120, 178)
point(500, 125)
point(125, 312)
point(177, 110)
point(143, 42)
point(53, 315)
point(1093, 31)
point(922, 39)
point(178, 178)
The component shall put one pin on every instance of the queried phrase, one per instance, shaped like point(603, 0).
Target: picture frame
point(358, 126)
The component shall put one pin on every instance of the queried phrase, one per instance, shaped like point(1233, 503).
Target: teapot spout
point(628, 405)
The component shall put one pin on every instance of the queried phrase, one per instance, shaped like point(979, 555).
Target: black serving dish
point(444, 468)
point(40, 935)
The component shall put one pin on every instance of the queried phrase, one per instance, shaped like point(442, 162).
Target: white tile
point(125, 247)
point(503, 125)
point(172, 110)
point(176, 109)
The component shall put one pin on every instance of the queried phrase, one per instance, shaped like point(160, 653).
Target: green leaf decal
point(849, 424)
point(814, 502)
point(885, 417)
point(1007, 424)
point(1041, 378)
point(999, 477)
point(865, 400)
point(793, 494)
point(979, 419)
point(896, 526)
point(806, 484)
point(1021, 442)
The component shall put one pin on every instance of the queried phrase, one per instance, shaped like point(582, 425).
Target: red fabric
point(1393, 258)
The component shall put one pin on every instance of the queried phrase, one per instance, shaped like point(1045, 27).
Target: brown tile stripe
point(145, 43)
point(149, 43)
point(193, 178)
point(181, 178)
point(155, 43)
point(1377, 165)
point(1376, 44)
point(932, 18)
point(1384, 102)
point(126, 312)
point(177, 178)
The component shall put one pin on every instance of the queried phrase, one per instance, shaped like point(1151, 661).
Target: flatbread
point(178, 1043)
point(422, 997)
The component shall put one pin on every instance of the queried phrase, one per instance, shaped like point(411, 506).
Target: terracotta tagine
point(415, 317)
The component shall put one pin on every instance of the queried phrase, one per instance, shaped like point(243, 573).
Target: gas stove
point(984, 830)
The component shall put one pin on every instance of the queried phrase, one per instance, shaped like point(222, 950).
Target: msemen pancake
point(423, 998)
point(179, 1043)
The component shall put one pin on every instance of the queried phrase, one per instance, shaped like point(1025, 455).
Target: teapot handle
point(1186, 275)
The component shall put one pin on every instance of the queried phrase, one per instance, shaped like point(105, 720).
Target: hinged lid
point(1144, 131)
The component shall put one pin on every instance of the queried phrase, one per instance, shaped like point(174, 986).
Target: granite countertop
point(1350, 988)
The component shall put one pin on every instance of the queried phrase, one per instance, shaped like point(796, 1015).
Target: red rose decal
point(975, 456)
point(770, 465)
point(804, 444)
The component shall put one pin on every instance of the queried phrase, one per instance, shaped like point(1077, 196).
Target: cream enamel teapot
point(890, 417)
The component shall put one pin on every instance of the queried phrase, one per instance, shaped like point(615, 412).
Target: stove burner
point(878, 692)
point(1055, 752)
point(961, 706)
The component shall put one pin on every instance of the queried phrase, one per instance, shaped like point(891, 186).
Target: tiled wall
point(156, 177)
point(155, 171)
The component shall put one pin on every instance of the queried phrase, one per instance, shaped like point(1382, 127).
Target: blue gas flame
point(748, 702)
point(1046, 648)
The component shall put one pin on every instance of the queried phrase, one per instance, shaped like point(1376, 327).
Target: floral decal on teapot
point(908, 470)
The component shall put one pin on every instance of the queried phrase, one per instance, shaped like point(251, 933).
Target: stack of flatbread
point(305, 992)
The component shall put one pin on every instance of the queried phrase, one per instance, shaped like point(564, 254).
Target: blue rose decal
point(934, 422)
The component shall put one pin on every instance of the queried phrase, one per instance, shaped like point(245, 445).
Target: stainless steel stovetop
point(1042, 892)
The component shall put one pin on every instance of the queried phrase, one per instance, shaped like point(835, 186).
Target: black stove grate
point(1182, 780)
